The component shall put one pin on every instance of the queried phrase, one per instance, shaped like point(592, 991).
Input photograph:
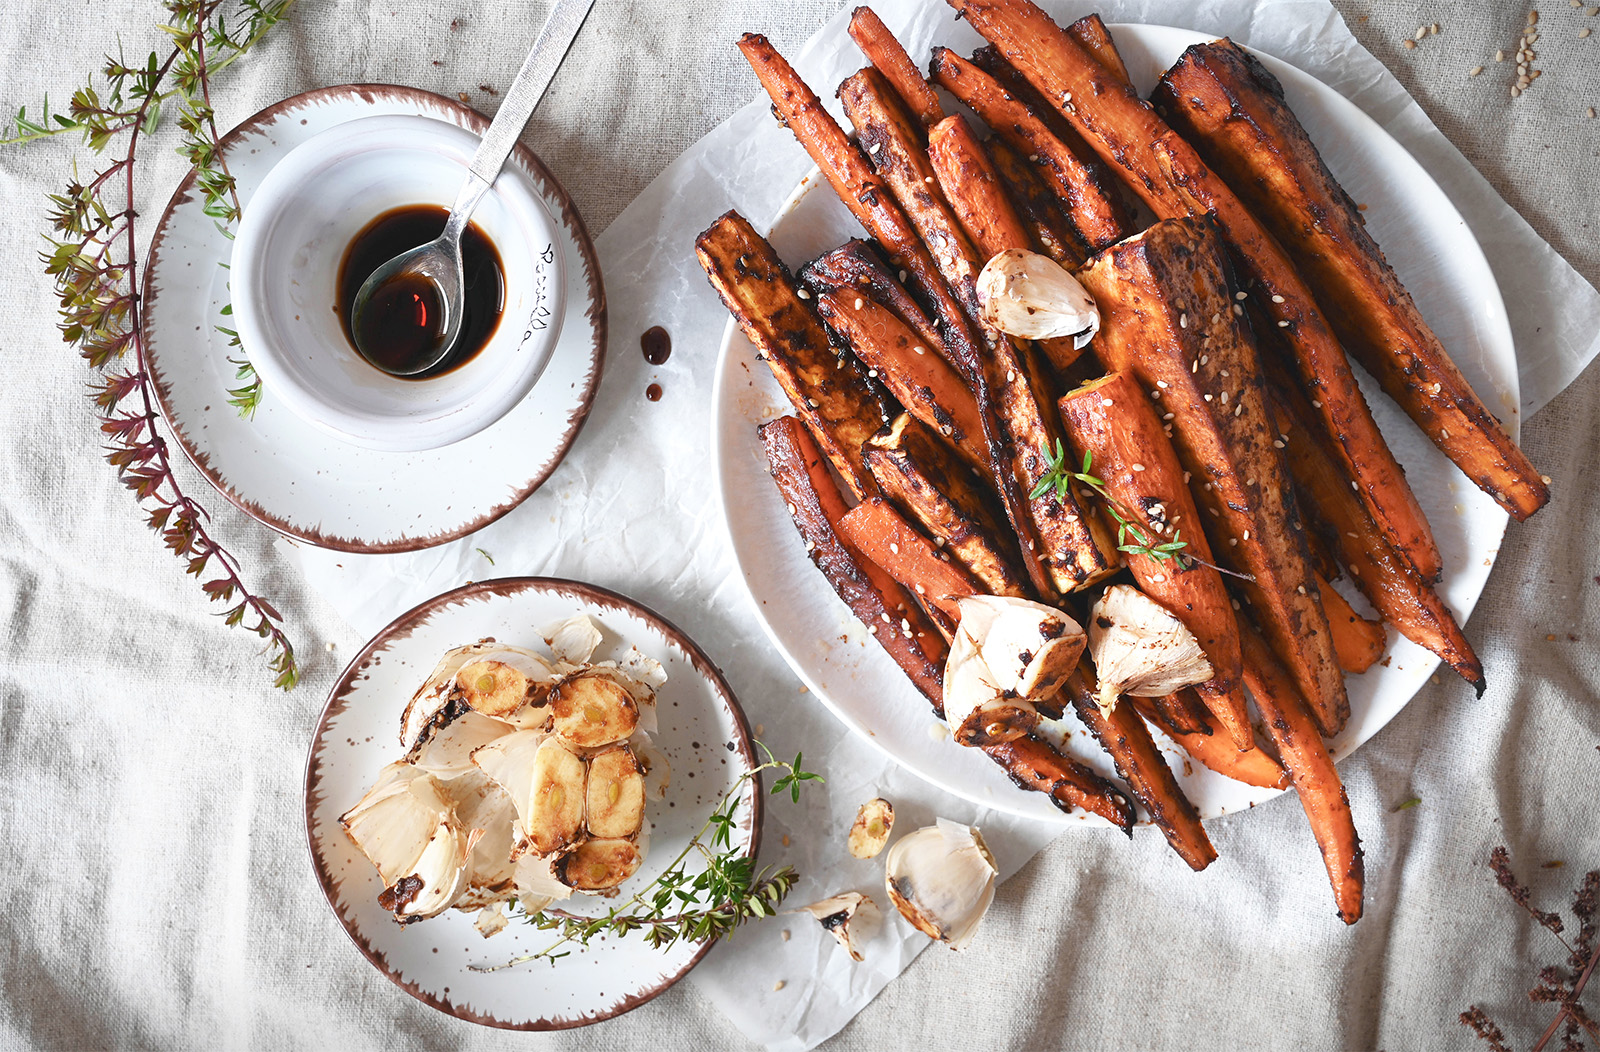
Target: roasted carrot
point(890, 58)
point(1034, 763)
point(832, 396)
point(1358, 642)
point(972, 186)
point(1124, 735)
point(922, 381)
point(856, 267)
point(1185, 712)
point(1096, 215)
point(1164, 170)
point(1232, 109)
point(1111, 425)
point(864, 193)
point(1037, 204)
point(1216, 751)
point(872, 595)
point(877, 531)
point(1311, 771)
point(915, 469)
point(1386, 578)
point(1093, 36)
point(1164, 299)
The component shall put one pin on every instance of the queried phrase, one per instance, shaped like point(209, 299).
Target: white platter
point(702, 731)
point(299, 480)
point(1431, 249)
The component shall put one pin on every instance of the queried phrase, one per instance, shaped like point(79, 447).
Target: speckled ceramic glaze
point(307, 483)
point(702, 731)
point(1430, 247)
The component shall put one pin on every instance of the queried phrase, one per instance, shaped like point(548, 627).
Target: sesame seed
point(1168, 416)
point(921, 590)
point(872, 373)
point(1161, 384)
point(1214, 512)
point(905, 626)
point(802, 293)
point(1283, 323)
point(1011, 376)
point(1208, 398)
point(1499, 56)
point(875, 147)
point(812, 402)
point(1106, 401)
point(1241, 295)
point(1183, 321)
point(1410, 45)
point(1224, 398)
point(1235, 603)
point(1545, 479)
point(779, 984)
point(1238, 409)
point(1233, 541)
point(1033, 157)
point(1222, 372)
point(1300, 588)
point(1158, 578)
point(1277, 299)
point(1194, 367)
point(893, 547)
point(1422, 31)
point(919, 350)
point(885, 619)
point(1277, 443)
point(872, 630)
point(902, 275)
point(1444, 432)
point(1238, 310)
point(1204, 358)
point(1247, 535)
point(1475, 71)
point(1585, 31)
point(1066, 98)
point(1515, 91)
point(1354, 486)
point(860, 303)
point(1137, 467)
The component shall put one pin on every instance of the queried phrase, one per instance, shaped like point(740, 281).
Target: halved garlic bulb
point(848, 917)
point(1139, 648)
point(941, 879)
point(1007, 654)
point(441, 688)
point(408, 830)
point(870, 831)
point(1031, 296)
point(599, 864)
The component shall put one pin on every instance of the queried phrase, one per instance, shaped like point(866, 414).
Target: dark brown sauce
point(400, 326)
point(656, 344)
point(653, 392)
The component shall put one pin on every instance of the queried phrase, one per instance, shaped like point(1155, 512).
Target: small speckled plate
point(311, 485)
point(702, 731)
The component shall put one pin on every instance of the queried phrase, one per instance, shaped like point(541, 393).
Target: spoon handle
point(538, 69)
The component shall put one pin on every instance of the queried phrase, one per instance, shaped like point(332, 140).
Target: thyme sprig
point(92, 255)
point(1136, 535)
point(685, 906)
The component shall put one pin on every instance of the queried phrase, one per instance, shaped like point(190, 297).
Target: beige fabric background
point(156, 891)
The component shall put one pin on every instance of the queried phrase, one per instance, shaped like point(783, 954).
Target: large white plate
point(1430, 247)
point(702, 731)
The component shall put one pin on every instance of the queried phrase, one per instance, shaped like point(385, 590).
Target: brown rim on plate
point(553, 194)
point(401, 628)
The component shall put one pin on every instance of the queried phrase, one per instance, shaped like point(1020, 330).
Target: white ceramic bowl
point(285, 270)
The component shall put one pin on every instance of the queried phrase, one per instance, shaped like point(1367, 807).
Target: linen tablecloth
point(156, 889)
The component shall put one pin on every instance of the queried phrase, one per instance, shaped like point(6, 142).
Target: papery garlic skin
point(1139, 648)
point(408, 830)
point(851, 918)
point(1007, 654)
point(1033, 297)
point(941, 879)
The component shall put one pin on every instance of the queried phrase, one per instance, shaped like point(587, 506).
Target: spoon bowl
point(423, 287)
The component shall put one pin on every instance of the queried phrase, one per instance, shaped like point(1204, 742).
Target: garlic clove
point(408, 830)
point(1139, 648)
point(441, 689)
point(870, 831)
point(598, 865)
point(555, 817)
point(614, 796)
point(501, 684)
point(1007, 654)
point(484, 810)
point(941, 879)
point(851, 918)
point(592, 710)
point(1031, 296)
point(574, 640)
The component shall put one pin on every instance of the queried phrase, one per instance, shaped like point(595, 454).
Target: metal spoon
point(439, 261)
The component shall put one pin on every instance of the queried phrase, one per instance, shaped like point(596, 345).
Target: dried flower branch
point(683, 906)
point(93, 257)
point(1557, 985)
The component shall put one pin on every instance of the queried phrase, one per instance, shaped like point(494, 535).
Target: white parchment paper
point(633, 506)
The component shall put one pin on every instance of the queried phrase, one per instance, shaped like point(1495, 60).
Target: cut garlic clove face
point(441, 687)
point(615, 793)
point(1033, 297)
point(851, 918)
point(555, 820)
point(941, 879)
point(1007, 654)
point(593, 710)
point(598, 865)
point(870, 831)
point(1139, 648)
point(497, 688)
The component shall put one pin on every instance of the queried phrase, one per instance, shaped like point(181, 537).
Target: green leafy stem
point(682, 906)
